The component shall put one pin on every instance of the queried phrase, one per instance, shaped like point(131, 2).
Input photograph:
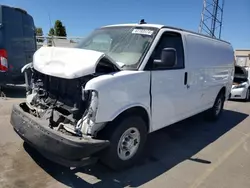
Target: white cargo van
point(101, 99)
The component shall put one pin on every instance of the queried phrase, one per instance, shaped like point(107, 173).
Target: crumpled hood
point(68, 63)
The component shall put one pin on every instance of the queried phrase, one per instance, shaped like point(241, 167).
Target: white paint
point(241, 92)
point(208, 62)
point(172, 101)
point(120, 91)
point(169, 97)
point(136, 25)
point(67, 63)
point(210, 66)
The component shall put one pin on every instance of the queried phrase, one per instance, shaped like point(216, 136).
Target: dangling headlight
point(92, 109)
point(85, 124)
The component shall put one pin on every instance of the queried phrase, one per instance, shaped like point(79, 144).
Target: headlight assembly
point(85, 124)
point(92, 109)
point(239, 86)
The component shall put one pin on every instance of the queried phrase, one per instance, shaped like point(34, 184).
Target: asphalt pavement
point(190, 154)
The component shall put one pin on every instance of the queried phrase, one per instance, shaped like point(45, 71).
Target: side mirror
point(168, 58)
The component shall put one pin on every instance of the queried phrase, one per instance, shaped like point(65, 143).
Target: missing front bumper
point(63, 149)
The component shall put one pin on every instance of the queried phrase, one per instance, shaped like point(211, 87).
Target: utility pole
point(211, 18)
point(50, 42)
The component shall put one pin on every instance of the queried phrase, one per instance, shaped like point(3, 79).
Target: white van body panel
point(68, 63)
point(169, 94)
point(209, 64)
point(120, 91)
point(159, 26)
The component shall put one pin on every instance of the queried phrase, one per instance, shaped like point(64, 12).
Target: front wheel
point(214, 113)
point(126, 143)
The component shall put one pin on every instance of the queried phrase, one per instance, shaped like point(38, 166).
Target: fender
point(120, 91)
point(129, 106)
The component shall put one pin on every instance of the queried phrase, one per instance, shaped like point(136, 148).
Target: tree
point(51, 32)
point(60, 29)
point(39, 33)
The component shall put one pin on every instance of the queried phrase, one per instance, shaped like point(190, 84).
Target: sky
point(82, 16)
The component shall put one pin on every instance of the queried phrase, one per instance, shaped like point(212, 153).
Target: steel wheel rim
point(218, 106)
point(128, 144)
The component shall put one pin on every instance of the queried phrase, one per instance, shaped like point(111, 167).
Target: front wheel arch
point(133, 111)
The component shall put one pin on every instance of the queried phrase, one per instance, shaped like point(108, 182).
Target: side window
point(170, 40)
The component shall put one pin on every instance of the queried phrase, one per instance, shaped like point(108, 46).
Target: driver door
point(171, 97)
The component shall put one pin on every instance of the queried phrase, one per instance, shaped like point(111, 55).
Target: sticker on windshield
point(143, 31)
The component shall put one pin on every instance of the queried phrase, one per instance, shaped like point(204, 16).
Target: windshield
point(125, 45)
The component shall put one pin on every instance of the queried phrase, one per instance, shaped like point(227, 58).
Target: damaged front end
point(58, 118)
point(63, 103)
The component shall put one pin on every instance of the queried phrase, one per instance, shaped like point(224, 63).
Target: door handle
point(185, 78)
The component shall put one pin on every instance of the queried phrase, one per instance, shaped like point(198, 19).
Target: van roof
point(135, 25)
point(158, 26)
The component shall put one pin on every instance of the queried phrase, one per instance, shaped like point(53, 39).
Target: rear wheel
point(215, 112)
point(126, 143)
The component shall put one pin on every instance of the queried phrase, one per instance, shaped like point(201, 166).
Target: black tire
point(247, 95)
point(214, 113)
point(110, 157)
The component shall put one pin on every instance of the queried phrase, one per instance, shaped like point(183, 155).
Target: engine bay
point(57, 100)
point(63, 104)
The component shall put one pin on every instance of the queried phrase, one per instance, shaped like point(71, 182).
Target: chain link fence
point(57, 41)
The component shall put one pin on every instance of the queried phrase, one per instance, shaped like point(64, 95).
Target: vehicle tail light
point(3, 61)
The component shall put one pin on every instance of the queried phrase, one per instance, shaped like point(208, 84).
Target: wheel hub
point(128, 143)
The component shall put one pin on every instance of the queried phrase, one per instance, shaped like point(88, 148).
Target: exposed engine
point(48, 91)
point(58, 101)
point(63, 104)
